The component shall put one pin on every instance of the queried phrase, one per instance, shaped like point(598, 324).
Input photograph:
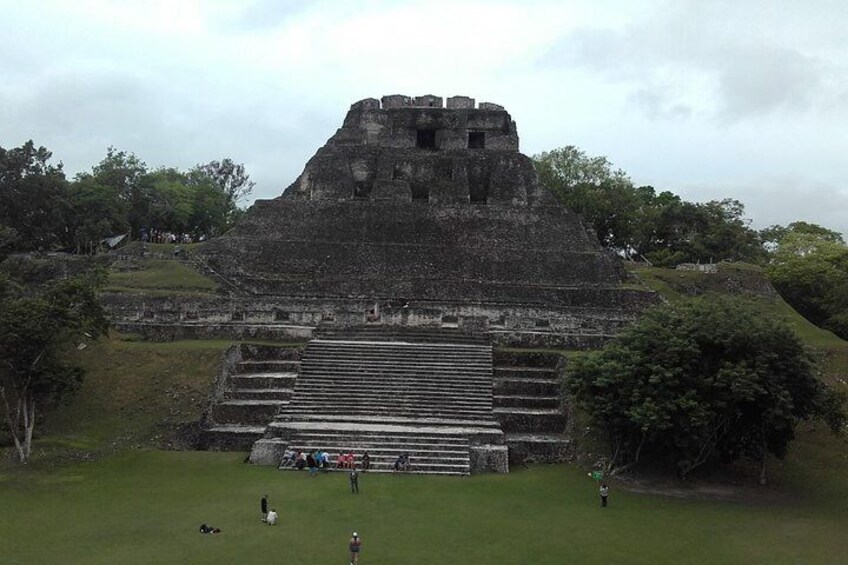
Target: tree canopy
point(633, 220)
point(809, 267)
point(698, 381)
point(41, 210)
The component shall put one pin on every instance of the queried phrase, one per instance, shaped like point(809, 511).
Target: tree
point(706, 378)
point(32, 198)
point(809, 268)
point(590, 186)
point(230, 177)
point(32, 332)
point(231, 181)
point(631, 220)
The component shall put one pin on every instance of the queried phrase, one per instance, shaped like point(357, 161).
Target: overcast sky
point(708, 99)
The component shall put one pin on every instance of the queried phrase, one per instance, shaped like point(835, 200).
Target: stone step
point(429, 469)
point(263, 380)
point(524, 401)
point(395, 366)
point(268, 366)
point(382, 397)
point(539, 448)
point(397, 346)
point(344, 387)
point(246, 411)
point(526, 387)
point(525, 373)
point(383, 454)
point(384, 355)
point(345, 440)
point(503, 358)
point(530, 419)
point(331, 419)
point(259, 394)
point(256, 352)
point(230, 438)
point(384, 412)
point(403, 333)
point(376, 378)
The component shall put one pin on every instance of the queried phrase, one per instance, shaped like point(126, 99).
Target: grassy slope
point(145, 507)
point(162, 276)
point(132, 391)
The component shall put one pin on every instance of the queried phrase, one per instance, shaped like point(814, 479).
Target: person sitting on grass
point(272, 518)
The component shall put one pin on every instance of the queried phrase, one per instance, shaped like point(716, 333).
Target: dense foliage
point(699, 381)
point(33, 330)
point(40, 209)
point(809, 267)
point(636, 221)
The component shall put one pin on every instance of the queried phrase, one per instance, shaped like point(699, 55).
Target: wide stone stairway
point(389, 394)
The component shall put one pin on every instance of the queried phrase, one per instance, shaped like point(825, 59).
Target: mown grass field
point(145, 507)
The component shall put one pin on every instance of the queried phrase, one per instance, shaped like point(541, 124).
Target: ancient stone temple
point(419, 214)
point(414, 243)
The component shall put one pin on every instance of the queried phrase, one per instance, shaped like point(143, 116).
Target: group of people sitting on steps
point(320, 460)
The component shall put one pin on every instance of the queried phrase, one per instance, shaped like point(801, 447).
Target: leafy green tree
point(633, 221)
point(32, 199)
point(692, 382)
point(124, 174)
point(96, 211)
point(32, 332)
point(809, 268)
point(590, 186)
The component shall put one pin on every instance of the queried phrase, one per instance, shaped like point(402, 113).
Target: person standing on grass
point(355, 545)
point(354, 481)
point(272, 518)
point(263, 508)
point(604, 492)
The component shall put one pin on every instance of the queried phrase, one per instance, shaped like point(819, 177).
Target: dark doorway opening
point(426, 139)
point(361, 190)
point(476, 140)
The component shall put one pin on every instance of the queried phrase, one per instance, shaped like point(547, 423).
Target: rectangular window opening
point(476, 140)
point(425, 139)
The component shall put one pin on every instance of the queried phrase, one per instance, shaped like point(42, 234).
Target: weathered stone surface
point(268, 451)
point(489, 459)
point(539, 448)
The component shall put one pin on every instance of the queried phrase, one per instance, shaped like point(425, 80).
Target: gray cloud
point(663, 56)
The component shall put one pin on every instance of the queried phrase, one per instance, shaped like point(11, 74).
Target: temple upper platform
point(418, 149)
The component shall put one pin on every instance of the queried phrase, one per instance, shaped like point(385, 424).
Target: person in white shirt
point(272, 517)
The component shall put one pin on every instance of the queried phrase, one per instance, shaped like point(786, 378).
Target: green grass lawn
point(163, 276)
point(146, 506)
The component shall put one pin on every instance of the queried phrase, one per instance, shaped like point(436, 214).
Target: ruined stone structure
point(416, 215)
point(412, 214)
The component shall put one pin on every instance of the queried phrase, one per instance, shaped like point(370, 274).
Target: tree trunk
point(13, 425)
point(29, 426)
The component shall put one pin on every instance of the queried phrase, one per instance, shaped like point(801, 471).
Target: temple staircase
point(389, 393)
